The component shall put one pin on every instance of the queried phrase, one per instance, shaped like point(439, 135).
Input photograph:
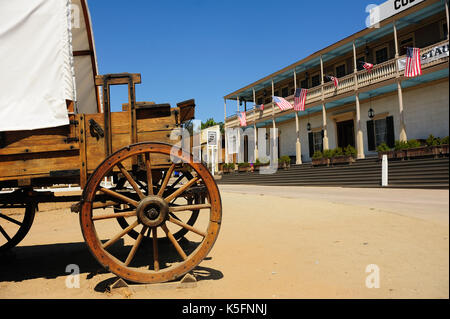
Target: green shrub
point(337, 152)
point(383, 147)
point(229, 165)
point(327, 153)
point(413, 144)
point(285, 159)
point(263, 161)
point(243, 165)
point(400, 145)
point(317, 154)
point(432, 141)
point(445, 140)
point(350, 151)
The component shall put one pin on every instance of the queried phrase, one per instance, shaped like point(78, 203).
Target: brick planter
point(343, 160)
point(321, 161)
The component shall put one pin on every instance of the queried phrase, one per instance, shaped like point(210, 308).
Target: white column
point(359, 134)
point(402, 133)
point(446, 14)
point(298, 147)
point(225, 129)
point(273, 122)
point(254, 125)
point(324, 111)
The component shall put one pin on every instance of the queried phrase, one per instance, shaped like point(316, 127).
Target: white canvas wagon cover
point(47, 56)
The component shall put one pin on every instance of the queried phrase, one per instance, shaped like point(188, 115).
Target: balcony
point(348, 85)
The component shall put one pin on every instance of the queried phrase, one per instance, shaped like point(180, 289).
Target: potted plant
point(260, 162)
point(384, 149)
point(321, 158)
point(244, 167)
point(284, 162)
point(228, 168)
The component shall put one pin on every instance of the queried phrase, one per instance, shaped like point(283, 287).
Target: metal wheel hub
point(152, 211)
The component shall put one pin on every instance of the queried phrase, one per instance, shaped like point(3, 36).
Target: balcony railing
point(380, 72)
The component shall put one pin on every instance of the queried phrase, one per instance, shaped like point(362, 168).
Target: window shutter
point(311, 144)
point(390, 131)
point(371, 135)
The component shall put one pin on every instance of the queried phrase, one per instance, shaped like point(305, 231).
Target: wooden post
point(446, 14)
point(274, 150)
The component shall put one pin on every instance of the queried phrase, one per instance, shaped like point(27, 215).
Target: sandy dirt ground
point(275, 242)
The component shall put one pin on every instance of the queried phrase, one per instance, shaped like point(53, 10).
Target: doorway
point(345, 133)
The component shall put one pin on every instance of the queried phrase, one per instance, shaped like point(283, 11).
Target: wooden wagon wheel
point(15, 222)
point(152, 214)
point(198, 198)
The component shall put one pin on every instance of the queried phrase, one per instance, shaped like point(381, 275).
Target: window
point(304, 84)
point(268, 100)
point(318, 140)
point(380, 131)
point(315, 142)
point(381, 55)
point(444, 30)
point(285, 92)
point(340, 71)
point(315, 80)
point(405, 42)
point(260, 101)
point(359, 66)
point(276, 93)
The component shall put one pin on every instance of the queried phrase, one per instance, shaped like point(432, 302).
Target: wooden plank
point(117, 80)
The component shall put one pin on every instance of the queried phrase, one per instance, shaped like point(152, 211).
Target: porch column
point(254, 125)
point(274, 150)
point(402, 135)
point(324, 111)
point(298, 147)
point(225, 129)
point(446, 14)
point(359, 134)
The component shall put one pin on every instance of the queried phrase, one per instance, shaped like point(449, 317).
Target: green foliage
point(445, 140)
point(413, 144)
point(400, 145)
point(435, 141)
point(285, 159)
point(337, 152)
point(350, 151)
point(243, 165)
point(383, 147)
point(209, 122)
point(317, 154)
point(327, 153)
point(262, 161)
point(228, 165)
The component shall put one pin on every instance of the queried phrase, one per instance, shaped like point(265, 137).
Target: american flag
point(366, 65)
point(282, 103)
point(300, 99)
point(413, 64)
point(242, 118)
point(334, 79)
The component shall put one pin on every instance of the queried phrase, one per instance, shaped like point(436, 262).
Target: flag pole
point(298, 149)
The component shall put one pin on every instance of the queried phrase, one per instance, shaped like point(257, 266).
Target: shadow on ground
point(50, 261)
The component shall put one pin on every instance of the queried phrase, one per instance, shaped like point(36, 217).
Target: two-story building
point(367, 108)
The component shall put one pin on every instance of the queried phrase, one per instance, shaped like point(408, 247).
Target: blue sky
point(205, 49)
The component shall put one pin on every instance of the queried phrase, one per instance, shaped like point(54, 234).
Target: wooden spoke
point(120, 235)
point(130, 180)
point(104, 205)
point(114, 215)
point(177, 181)
point(189, 207)
point(181, 189)
point(118, 196)
point(135, 246)
point(174, 242)
point(166, 179)
point(155, 249)
point(11, 219)
point(188, 227)
point(4, 234)
point(148, 167)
